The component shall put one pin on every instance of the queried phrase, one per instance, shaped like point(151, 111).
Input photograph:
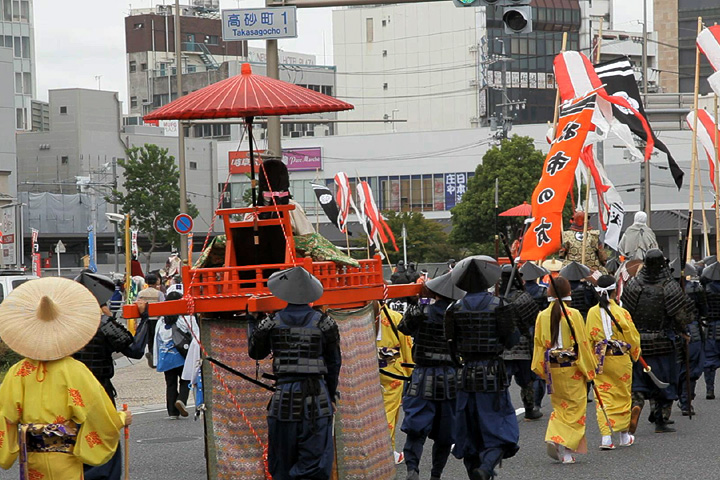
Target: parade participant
point(711, 279)
point(531, 275)
point(399, 276)
point(51, 405)
point(429, 398)
point(638, 239)
point(562, 357)
point(616, 343)
point(274, 189)
point(657, 306)
point(486, 430)
point(151, 294)
point(582, 293)
point(693, 336)
point(305, 345)
point(97, 355)
point(450, 265)
point(394, 349)
point(518, 358)
point(412, 273)
point(553, 266)
point(171, 340)
point(572, 244)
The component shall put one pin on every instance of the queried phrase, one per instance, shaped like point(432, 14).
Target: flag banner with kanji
point(543, 237)
point(707, 132)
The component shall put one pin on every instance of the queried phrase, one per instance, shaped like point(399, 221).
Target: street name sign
point(259, 23)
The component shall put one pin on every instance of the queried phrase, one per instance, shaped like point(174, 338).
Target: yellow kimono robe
point(393, 353)
point(57, 392)
point(615, 381)
point(569, 398)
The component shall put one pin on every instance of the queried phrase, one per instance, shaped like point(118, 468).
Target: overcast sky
point(77, 40)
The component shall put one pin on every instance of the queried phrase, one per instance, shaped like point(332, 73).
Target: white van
point(11, 279)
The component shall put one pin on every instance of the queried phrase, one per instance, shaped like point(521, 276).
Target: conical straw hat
point(49, 318)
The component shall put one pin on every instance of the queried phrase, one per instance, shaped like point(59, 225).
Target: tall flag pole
point(694, 155)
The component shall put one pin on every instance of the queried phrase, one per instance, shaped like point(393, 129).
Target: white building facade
point(16, 33)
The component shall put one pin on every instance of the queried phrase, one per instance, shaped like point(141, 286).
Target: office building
point(16, 33)
point(441, 67)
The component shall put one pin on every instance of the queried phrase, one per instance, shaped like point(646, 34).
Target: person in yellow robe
point(54, 414)
point(394, 349)
point(566, 362)
point(616, 343)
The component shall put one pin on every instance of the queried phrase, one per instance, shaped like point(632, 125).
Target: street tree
point(151, 195)
point(517, 165)
point(427, 241)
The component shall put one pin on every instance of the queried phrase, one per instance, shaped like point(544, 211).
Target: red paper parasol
point(524, 210)
point(247, 95)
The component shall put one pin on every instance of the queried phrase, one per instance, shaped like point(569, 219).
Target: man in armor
point(111, 337)
point(657, 305)
point(693, 334)
point(478, 329)
point(429, 398)
point(572, 244)
point(531, 274)
point(518, 358)
point(582, 293)
point(712, 318)
point(305, 345)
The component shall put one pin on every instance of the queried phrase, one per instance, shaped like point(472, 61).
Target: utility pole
point(115, 225)
point(273, 71)
point(181, 130)
point(645, 164)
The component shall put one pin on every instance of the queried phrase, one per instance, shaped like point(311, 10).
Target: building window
point(133, 66)
point(143, 67)
point(384, 23)
point(193, 165)
point(369, 30)
point(384, 53)
point(27, 83)
point(191, 68)
point(7, 10)
point(24, 11)
point(327, 90)
point(18, 82)
point(211, 39)
point(138, 26)
point(25, 47)
point(18, 47)
point(385, 86)
point(133, 102)
point(20, 118)
point(64, 159)
point(63, 110)
point(16, 10)
point(8, 41)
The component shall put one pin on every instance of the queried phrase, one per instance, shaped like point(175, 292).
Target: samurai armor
point(476, 333)
point(430, 348)
point(655, 343)
point(430, 384)
point(487, 377)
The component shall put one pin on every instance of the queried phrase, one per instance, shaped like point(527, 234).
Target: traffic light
point(516, 14)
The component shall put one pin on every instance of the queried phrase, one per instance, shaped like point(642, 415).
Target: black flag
point(619, 79)
point(327, 202)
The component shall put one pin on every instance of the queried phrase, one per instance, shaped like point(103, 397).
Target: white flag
point(615, 224)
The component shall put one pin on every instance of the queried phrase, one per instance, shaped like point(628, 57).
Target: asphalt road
point(163, 449)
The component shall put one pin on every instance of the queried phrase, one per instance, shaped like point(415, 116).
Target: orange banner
point(544, 234)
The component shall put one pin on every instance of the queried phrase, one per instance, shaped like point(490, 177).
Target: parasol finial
point(246, 69)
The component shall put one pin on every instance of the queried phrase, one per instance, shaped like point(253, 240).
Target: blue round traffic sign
point(183, 223)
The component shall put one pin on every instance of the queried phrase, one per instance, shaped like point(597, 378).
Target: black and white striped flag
point(619, 79)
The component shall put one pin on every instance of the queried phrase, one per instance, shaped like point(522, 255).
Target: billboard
point(296, 159)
